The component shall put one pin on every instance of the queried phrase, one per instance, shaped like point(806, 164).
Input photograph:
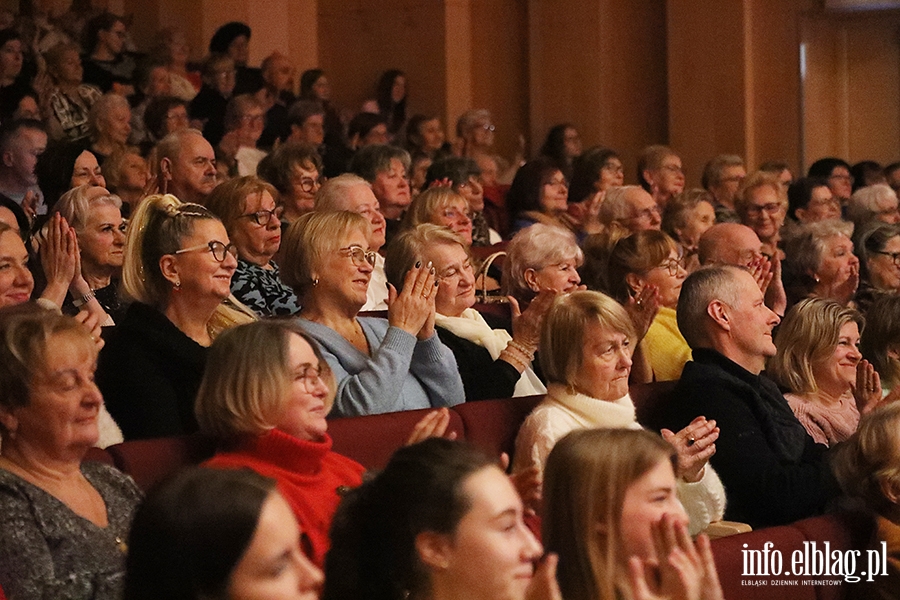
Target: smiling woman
point(60, 536)
point(264, 397)
point(382, 365)
point(177, 269)
point(248, 210)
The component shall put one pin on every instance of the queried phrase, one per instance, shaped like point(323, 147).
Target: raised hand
point(867, 391)
point(642, 309)
point(694, 446)
point(412, 310)
point(433, 424)
point(543, 584)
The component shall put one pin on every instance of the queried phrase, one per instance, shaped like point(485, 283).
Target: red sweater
point(309, 476)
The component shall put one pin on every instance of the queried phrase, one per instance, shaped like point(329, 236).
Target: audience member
point(722, 176)
point(390, 101)
point(63, 167)
point(353, 193)
point(21, 145)
point(161, 117)
point(381, 365)
point(233, 40)
point(207, 109)
point(107, 66)
point(244, 545)
point(172, 49)
point(660, 173)
point(631, 208)
point(780, 170)
point(867, 468)
point(873, 203)
point(264, 399)
point(612, 515)
point(878, 248)
point(538, 194)
point(820, 262)
point(425, 134)
point(127, 175)
point(819, 364)
point(444, 207)
point(66, 100)
point(426, 525)
point(837, 173)
point(773, 471)
point(562, 146)
point(593, 173)
point(541, 258)
point(96, 217)
point(61, 535)
point(153, 80)
point(246, 206)
point(386, 168)
point(587, 341)
point(177, 273)
point(463, 177)
point(110, 125)
point(687, 217)
point(865, 173)
point(879, 341)
point(14, 85)
point(244, 122)
point(492, 363)
point(276, 95)
point(186, 166)
point(295, 171)
point(761, 205)
point(305, 123)
point(810, 200)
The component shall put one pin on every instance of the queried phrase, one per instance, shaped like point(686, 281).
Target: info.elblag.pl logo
point(814, 560)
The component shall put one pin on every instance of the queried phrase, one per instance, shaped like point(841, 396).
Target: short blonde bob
point(425, 206)
point(309, 239)
point(248, 376)
point(563, 331)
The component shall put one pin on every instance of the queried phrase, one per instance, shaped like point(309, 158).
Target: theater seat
point(150, 461)
point(649, 398)
point(371, 440)
point(492, 425)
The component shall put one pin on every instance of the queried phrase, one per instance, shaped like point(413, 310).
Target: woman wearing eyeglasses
point(762, 206)
point(640, 264)
point(177, 270)
point(248, 211)
point(293, 168)
point(879, 262)
point(381, 365)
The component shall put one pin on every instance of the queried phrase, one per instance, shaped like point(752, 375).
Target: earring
point(177, 285)
point(816, 277)
point(315, 282)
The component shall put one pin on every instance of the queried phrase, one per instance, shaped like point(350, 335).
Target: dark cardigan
point(772, 474)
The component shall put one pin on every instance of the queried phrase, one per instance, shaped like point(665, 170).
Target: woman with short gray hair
point(820, 262)
point(541, 257)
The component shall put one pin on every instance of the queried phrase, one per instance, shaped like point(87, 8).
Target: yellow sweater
point(665, 347)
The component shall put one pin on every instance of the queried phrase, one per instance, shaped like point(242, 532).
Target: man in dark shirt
point(773, 472)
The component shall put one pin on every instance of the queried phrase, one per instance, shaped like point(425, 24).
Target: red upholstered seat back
point(492, 425)
point(149, 461)
point(371, 440)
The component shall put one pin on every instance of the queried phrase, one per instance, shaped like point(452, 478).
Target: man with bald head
point(773, 471)
point(186, 166)
point(353, 193)
point(736, 244)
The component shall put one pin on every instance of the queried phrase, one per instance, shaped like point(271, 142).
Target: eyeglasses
point(218, 249)
point(263, 217)
point(647, 213)
point(833, 201)
point(488, 127)
point(895, 256)
point(308, 184)
point(311, 377)
point(359, 256)
point(251, 119)
point(770, 208)
point(673, 265)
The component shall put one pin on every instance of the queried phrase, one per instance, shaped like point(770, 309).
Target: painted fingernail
point(418, 263)
point(429, 264)
point(433, 271)
point(437, 283)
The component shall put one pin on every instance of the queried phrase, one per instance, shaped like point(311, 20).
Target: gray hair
point(369, 161)
point(536, 247)
point(615, 205)
point(469, 119)
point(75, 205)
point(716, 282)
point(333, 192)
point(103, 106)
point(864, 203)
point(806, 249)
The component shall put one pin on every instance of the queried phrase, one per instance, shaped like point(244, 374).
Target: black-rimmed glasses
point(218, 249)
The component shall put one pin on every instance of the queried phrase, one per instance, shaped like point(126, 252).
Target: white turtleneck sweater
point(561, 412)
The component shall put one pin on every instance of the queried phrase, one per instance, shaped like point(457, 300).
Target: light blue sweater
point(401, 374)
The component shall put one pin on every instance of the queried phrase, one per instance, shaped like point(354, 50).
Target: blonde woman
point(612, 514)
point(819, 362)
point(177, 271)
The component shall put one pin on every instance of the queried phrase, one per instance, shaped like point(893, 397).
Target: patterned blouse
point(72, 114)
point(262, 290)
point(48, 551)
